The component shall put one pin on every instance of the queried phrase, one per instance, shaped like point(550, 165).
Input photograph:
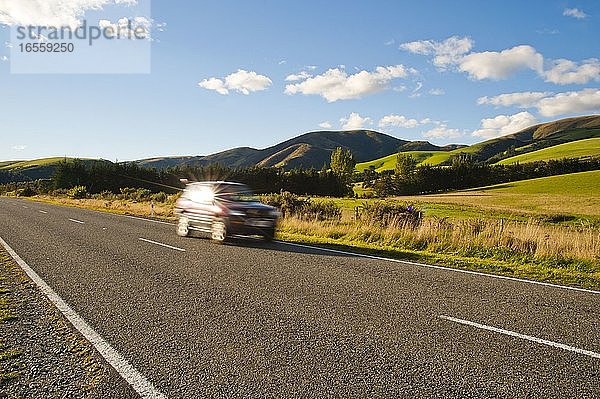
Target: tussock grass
point(536, 250)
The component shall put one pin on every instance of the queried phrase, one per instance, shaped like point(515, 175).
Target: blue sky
point(447, 72)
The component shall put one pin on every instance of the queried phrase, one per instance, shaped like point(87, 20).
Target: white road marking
point(523, 336)
point(443, 268)
point(149, 220)
point(44, 212)
point(162, 245)
point(77, 221)
point(133, 377)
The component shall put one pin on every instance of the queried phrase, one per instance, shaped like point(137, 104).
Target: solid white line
point(162, 245)
point(443, 268)
point(523, 336)
point(77, 221)
point(44, 212)
point(141, 385)
point(148, 220)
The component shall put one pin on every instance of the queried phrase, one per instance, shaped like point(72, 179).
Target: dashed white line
point(523, 336)
point(162, 245)
point(44, 212)
point(133, 377)
point(76, 221)
point(449, 269)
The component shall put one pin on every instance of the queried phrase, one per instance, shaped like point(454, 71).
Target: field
point(575, 149)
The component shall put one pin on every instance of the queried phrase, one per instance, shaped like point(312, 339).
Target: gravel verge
point(41, 354)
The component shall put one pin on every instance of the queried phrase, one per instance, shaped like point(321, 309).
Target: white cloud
point(442, 132)
point(298, 76)
point(575, 13)
point(4, 58)
point(550, 104)
point(325, 125)
point(241, 81)
point(437, 92)
point(502, 125)
point(586, 100)
point(51, 13)
point(564, 72)
point(526, 99)
point(140, 28)
point(336, 84)
point(19, 147)
point(500, 65)
point(398, 121)
point(354, 122)
point(445, 54)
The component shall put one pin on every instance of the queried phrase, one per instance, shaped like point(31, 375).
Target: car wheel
point(219, 231)
point(269, 235)
point(183, 227)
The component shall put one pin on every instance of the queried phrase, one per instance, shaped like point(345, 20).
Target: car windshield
point(237, 193)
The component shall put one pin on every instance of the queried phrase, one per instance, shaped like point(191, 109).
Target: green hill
point(526, 141)
point(309, 150)
point(576, 149)
point(389, 162)
point(43, 168)
point(585, 184)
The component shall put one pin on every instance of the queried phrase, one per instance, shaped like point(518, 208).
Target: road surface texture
point(250, 319)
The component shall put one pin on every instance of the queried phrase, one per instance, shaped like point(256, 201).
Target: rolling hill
point(585, 148)
point(311, 149)
point(526, 141)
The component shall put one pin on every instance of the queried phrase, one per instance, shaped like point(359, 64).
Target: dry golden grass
point(484, 238)
point(161, 210)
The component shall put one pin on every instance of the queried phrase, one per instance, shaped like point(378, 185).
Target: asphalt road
point(250, 319)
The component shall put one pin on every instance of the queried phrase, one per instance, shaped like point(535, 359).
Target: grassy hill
point(34, 169)
point(389, 162)
point(311, 149)
point(526, 141)
point(574, 194)
point(576, 149)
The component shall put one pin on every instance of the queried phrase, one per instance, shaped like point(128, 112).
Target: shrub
point(159, 197)
point(135, 194)
point(390, 214)
point(287, 203)
point(304, 208)
point(322, 210)
point(26, 192)
point(77, 192)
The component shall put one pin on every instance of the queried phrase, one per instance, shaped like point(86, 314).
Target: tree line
point(464, 172)
point(98, 176)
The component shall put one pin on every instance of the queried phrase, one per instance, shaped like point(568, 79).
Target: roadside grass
point(559, 254)
point(575, 149)
point(121, 207)
point(544, 229)
point(7, 314)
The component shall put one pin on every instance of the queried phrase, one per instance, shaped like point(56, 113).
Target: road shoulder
point(41, 353)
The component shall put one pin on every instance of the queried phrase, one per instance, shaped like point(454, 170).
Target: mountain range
point(314, 149)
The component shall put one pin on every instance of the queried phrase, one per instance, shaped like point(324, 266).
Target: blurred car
point(221, 209)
